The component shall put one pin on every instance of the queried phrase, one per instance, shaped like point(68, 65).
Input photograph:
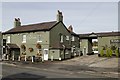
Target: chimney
point(17, 22)
point(70, 28)
point(59, 16)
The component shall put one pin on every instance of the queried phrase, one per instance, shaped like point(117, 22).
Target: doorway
point(45, 52)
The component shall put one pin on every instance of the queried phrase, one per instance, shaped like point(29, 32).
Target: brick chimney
point(70, 28)
point(59, 16)
point(17, 22)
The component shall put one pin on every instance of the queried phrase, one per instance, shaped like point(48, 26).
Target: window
point(39, 38)
point(24, 39)
point(67, 37)
point(73, 38)
point(8, 39)
point(61, 38)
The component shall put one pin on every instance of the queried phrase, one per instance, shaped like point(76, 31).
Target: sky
point(85, 17)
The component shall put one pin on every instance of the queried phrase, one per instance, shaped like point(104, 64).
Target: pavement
point(84, 64)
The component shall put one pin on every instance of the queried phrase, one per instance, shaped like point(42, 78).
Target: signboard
point(115, 41)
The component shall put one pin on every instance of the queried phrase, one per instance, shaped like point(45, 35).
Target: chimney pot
point(59, 16)
point(17, 22)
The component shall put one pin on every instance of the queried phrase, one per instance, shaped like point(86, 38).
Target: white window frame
point(8, 39)
point(73, 38)
point(39, 38)
point(67, 37)
point(61, 38)
point(24, 37)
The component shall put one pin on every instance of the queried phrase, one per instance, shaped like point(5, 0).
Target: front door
point(45, 54)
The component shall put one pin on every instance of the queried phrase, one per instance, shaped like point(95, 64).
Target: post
point(7, 57)
point(3, 56)
point(42, 59)
point(60, 58)
point(25, 58)
point(13, 57)
point(19, 58)
point(32, 59)
point(51, 58)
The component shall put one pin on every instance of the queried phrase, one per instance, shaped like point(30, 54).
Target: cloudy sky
point(84, 16)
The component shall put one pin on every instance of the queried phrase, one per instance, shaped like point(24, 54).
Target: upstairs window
point(61, 38)
point(23, 38)
point(8, 39)
point(67, 37)
point(73, 38)
point(39, 39)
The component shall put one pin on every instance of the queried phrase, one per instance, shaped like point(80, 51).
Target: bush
point(110, 53)
point(107, 53)
point(102, 53)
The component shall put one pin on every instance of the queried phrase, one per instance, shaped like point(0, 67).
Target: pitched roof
point(32, 27)
point(13, 46)
point(101, 34)
point(60, 46)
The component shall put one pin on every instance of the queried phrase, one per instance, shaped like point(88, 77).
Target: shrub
point(110, 53)
point(107, 53)
point(102, 53)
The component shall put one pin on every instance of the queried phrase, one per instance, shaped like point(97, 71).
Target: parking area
point(93, 61)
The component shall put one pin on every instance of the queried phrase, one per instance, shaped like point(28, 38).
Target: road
point(12, 72)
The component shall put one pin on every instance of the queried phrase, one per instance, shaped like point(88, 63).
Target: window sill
point(39, 41)
point(23, 42)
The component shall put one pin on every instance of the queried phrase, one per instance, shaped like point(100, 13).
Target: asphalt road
point(11, 72)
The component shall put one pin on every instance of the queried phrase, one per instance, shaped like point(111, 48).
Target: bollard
point(42, 59)
point(4, 56)
point(25, 58)
point(60, 58)
point(7, 57)
point(18, 58)
point(13, 58)
point(51, 58)
point(32, 59)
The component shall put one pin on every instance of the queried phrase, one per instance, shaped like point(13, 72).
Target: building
point(105, 40)
point(49, 40)
point(108, 40)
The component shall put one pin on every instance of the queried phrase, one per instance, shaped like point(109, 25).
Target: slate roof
point(60, 46)
point(101, 34)
point(12, 46)
point(45, 26)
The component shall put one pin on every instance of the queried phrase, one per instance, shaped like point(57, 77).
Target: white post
point(42, 59)
point(7, 57)
point(32, 59)
point(51, 58)
point(25, 58)
point(60, 58)
point(3, 56)
point(19, 58)
point(13, 58)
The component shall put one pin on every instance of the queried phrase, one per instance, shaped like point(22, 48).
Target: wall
point(55, 53)
point(55, 37)
point(31, 40)
point(102, 41)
